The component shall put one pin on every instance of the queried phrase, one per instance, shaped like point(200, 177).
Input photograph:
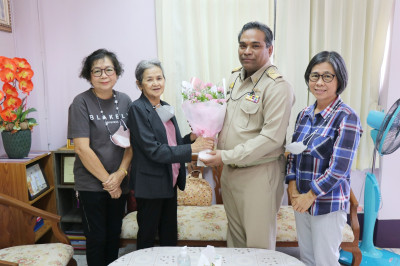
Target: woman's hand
point(193, 137)
point(114, 180)
point(302, 202)
point(292, 190)
point(115, 194)
point(202, 144)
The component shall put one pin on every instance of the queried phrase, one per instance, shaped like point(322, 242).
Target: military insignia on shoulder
point(236, 69)
point(273, 72)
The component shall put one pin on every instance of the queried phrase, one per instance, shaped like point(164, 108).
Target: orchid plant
point(197, 91)
point(16, 74)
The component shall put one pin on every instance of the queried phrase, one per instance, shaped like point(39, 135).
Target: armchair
point(20, 216)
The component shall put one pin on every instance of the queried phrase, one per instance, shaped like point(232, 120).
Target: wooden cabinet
point(67, 204)
point(13, 182)
point(66, 200)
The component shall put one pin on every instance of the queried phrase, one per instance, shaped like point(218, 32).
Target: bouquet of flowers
point(204, 105)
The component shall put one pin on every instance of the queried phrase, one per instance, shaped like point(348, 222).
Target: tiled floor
point(81, 259)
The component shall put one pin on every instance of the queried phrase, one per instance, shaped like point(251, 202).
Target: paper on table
point(209, 257)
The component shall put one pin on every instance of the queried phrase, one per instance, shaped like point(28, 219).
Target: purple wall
point(56, 35)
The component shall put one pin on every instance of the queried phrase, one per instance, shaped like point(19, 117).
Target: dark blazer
point(151, 167)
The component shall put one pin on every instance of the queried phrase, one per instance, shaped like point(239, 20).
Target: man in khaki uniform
point(251, 143)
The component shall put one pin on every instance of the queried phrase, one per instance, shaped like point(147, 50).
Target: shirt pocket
point(248, 118)
point(322, 147)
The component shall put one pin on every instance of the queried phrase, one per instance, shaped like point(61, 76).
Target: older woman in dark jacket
point(160, 153)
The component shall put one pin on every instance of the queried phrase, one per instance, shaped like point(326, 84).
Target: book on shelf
point(39, 223)
point(74, 232)
point(76, 237)
point(78, 242)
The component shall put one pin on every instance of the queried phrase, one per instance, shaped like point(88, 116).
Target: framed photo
point(37, 183)
point(5, 15)
point(70, 144)
point(67, 169)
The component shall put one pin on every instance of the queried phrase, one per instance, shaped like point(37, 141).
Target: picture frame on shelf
point(5, 16)
point(36, 181)
point(70, 144)
point(67, 169)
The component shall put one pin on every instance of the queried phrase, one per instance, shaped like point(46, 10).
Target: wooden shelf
point(66, 200)
point(13, 182)
point(73, 216)
point(50, 190)
point(46, 227)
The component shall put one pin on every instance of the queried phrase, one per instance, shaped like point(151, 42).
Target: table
point(230, 256)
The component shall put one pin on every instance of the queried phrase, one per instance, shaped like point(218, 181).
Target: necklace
point(250, 93)
point(103, 116)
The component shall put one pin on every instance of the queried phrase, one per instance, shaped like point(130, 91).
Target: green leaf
point(31, 121)
point(30, 110)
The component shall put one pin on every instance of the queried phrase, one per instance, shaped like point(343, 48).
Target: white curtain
point(199, 38)
point(354, 28)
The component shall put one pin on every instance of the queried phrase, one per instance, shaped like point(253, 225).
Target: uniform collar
point(257, 75)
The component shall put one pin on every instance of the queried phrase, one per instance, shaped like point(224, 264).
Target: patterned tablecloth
point(230, 256)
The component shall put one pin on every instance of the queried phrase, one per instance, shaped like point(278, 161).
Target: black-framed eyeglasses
point(326, 77)
point(97, 72)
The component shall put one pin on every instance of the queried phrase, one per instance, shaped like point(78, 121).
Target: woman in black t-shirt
point(96, 123)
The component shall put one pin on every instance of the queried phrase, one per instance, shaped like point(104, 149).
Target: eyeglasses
point(326, 77)
point(97, 72)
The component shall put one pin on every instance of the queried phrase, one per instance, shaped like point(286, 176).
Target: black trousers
point(102, 222)
point(157, 215)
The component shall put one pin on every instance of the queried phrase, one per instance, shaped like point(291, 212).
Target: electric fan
point(386, 137)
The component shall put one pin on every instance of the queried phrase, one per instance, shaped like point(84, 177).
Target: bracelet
point(123, 170)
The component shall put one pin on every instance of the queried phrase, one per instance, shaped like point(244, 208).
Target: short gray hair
point(146, 64)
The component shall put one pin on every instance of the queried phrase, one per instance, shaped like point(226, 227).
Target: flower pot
point(17, 145)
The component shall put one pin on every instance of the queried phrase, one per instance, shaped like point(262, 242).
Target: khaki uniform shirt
point(255, 132)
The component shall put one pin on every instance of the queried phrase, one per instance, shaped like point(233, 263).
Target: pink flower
point(208, 85)
point(197, 94)
point(220, 89)
point(209, 96)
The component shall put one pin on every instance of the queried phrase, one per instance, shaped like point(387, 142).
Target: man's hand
point(214, 160)
point(302, 202)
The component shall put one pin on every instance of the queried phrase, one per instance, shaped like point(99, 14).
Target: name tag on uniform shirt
point(252, 98)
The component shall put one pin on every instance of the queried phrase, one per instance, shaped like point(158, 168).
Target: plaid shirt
point(324, 167)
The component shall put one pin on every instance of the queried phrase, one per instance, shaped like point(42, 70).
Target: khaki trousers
point(252, 197)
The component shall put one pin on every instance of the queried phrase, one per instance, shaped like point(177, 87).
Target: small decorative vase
point(17, 145)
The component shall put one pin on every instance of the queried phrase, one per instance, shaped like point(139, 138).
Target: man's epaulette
point(236, 69)
point(273, 72)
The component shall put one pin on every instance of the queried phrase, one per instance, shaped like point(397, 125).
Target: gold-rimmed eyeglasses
point(97, 72)
point(326, 77)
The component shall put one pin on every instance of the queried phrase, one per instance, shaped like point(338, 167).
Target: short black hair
point(88, 61)
point(269, 36)
point(338, 64)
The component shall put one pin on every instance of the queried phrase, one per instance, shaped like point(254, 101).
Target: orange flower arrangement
point(13, 112)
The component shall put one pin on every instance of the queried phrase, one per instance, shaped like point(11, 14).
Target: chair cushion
point(286, 225)
point(209, 223)
point(38, 255)
point(194, 223)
